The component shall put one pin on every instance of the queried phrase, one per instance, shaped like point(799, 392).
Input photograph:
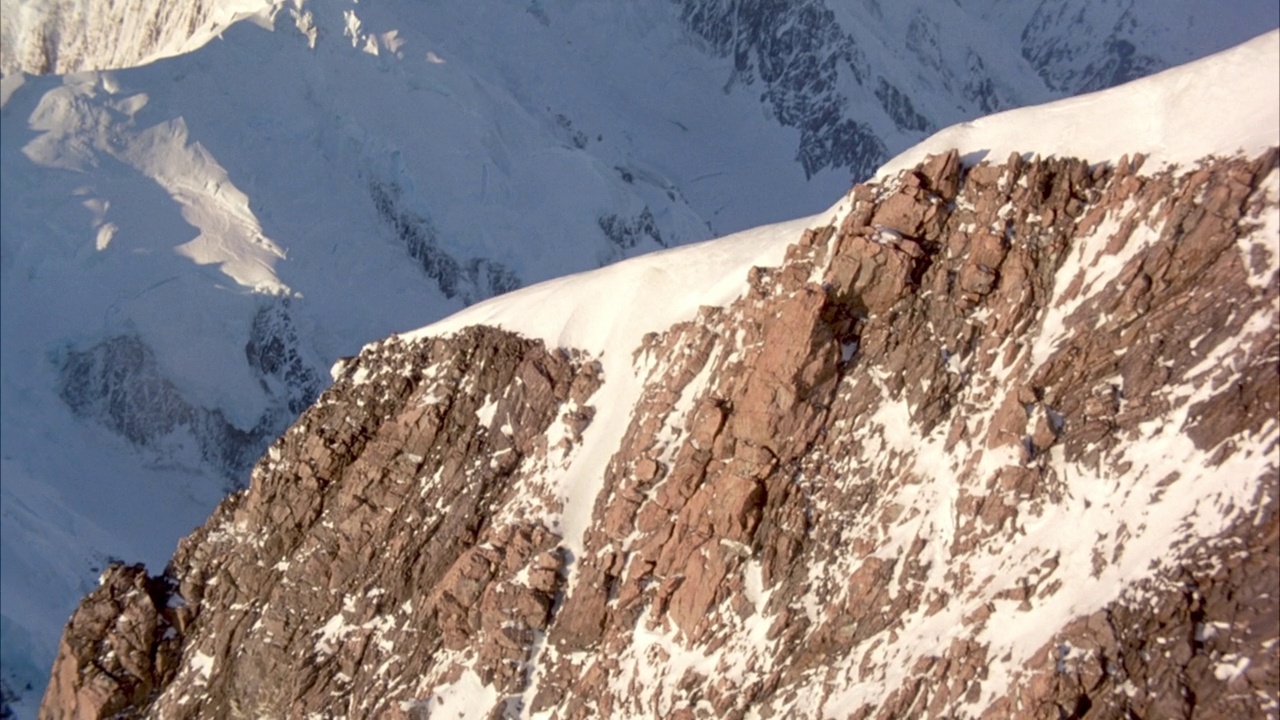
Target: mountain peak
point(214, 208)
point(959, 454)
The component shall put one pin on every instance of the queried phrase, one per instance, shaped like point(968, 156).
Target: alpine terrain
point(998, 435)
point(207, 206)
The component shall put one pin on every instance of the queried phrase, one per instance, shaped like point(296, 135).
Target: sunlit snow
point(170, 201)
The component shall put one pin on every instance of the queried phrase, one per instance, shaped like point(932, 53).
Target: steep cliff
point(994, 441)
point(213, 201)
point(67, 36)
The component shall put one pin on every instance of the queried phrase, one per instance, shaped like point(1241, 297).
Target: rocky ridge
point(69, 36)
point(998, 441)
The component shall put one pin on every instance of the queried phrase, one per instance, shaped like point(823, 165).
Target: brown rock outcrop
point(996, 442)
point(370, 526)
point(120, 648)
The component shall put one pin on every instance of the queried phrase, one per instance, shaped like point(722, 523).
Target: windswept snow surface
point(357, 169)
point(341, 166)
point(1222, 105)
point(608, 311)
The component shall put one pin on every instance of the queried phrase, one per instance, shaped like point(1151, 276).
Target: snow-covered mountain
point(66, 36)
point(997, 436)
point(216, 202)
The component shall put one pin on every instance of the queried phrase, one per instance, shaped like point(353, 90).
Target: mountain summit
point(206, 204)
point(996, 436)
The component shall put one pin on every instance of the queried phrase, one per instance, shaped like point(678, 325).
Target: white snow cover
point(133, 201)
point(1221, 105)
point(171, 201)
point(1224, 104)
point(608, 311)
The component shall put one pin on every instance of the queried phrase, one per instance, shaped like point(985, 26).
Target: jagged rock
point(999, 442)
point(119, 650)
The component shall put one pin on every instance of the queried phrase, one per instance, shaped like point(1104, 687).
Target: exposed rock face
point(120, 384)
point(1093, 53)
point(400, 467)
point(120, 647)
point(997, 442)
point(472, 280)
point(68, 36)
point(797, 52)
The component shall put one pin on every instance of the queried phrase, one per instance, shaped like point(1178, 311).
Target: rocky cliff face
point(71, 36)
point(998, 441)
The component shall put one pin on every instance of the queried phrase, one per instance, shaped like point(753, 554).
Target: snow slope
point(1170, 493)
point(184, 253)
point(1223, 105)
point(608, 311)
point(1177, 118)
point(190, 239)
